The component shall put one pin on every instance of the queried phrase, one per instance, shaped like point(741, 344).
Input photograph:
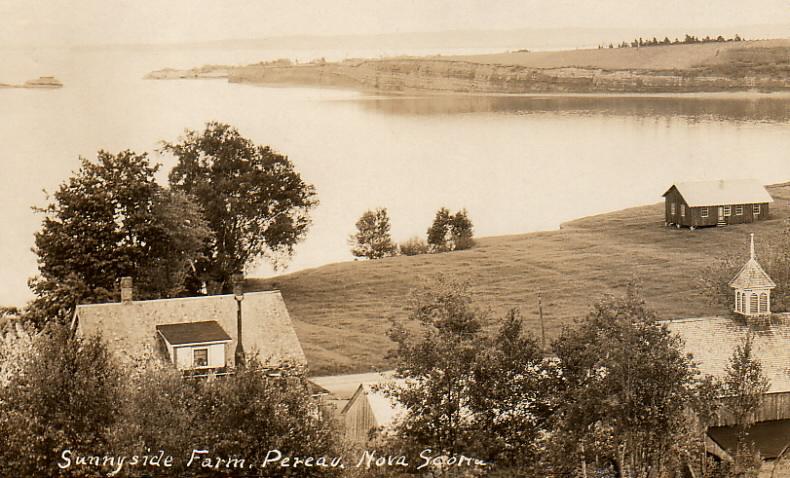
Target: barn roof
point(130, 329)
point(712, 340)
point(193, 332)
point(722, 192)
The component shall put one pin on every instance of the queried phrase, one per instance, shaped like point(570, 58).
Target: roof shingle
point(712, 340)
point(130, 329)
point(193, 333)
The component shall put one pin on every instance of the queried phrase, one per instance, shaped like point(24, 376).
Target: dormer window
point(199, 358)
point(195, 345)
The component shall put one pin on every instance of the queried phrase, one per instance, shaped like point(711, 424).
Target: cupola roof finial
point(751, 246)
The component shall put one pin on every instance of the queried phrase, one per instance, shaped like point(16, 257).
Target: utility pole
point(542, 325)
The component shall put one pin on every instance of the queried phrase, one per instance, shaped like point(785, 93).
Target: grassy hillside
point(341, 311)
point(667, 57)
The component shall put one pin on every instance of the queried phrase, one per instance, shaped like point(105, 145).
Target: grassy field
point(667, 57)
point(342, 311)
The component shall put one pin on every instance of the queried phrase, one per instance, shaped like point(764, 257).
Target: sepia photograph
point(395, 238)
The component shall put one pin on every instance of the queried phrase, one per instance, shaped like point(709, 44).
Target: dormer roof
point(193, 333)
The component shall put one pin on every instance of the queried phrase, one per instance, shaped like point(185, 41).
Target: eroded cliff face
point(759, 65)
point(435, 75)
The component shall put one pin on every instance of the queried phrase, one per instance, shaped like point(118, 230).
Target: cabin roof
point(712, 340)
point(722, 192)
point(130, 329)
point(752, 276)
point(193, 332)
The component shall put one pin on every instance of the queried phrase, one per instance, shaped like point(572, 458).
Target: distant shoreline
point(751, 67)
point(42, 82)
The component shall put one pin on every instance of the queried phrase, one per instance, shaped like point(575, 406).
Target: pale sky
point(77, 22)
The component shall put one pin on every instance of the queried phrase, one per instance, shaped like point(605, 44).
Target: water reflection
point(739, 108)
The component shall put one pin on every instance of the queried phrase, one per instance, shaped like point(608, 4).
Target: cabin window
point(728, 210)
point(703, 212)
point(753, 304)
point(683, 210)
point(672, 209)
point(763, 303)
point(756, 208)
point(739, 210)
point(200, 358)
point(738, 302)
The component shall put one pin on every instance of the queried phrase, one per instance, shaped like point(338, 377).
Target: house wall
point(359, 420)
point(693, 216)
point(184, 355)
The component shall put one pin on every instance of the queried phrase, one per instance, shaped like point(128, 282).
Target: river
point(517, 164)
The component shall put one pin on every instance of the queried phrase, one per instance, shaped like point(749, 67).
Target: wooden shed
point(716, 203)
point(368, 410)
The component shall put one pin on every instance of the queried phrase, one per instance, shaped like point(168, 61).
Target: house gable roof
point(193, 332)
point(722, 192)
point(712, 340)
point(130, 329)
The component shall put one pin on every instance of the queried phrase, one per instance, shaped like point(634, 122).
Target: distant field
point(341, 311)
point(667, 57)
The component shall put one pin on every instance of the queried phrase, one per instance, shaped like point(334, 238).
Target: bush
point(62, 396)
point(413, 247)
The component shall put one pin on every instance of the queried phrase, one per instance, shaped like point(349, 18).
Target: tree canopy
point(624, 391)
point(467, 392)
point(108, 220)
point(257, 205)
point(372, 239)
point(450, 232)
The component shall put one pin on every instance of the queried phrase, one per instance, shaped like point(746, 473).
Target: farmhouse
point(200, 335)
point(716, 203)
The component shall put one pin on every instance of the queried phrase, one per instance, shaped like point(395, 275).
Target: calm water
point(517, 164)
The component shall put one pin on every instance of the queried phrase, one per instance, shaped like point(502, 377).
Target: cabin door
point(721, 213)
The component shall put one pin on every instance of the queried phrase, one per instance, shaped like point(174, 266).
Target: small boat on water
point(43, 82)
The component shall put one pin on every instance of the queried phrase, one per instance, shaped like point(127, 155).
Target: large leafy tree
point(108, 220)
point(256, 203)
point(372, 239)
point(466, 392)
point(624, 392)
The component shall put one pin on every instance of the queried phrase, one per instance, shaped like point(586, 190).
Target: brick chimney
point(127, 290)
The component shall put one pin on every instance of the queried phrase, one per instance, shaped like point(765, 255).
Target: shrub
point(413, 247)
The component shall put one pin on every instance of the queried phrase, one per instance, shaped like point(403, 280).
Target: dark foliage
point(108, 220)
point(256, 203)
point(372, 239)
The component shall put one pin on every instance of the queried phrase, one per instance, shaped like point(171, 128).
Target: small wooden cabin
point(716, 203)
